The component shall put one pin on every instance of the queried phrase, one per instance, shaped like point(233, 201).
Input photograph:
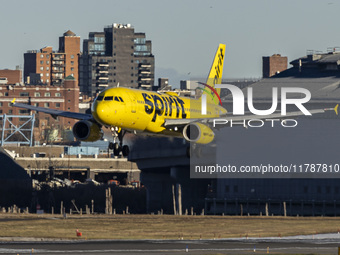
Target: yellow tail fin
point(215, 76)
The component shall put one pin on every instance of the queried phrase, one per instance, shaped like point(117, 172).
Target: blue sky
point(184, 34)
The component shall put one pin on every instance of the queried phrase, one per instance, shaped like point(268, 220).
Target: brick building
point(273, 65)
point(12, 76)
point(51, 67)
point(64, 97)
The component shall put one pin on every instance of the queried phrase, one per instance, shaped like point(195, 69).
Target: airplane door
point(133, 103)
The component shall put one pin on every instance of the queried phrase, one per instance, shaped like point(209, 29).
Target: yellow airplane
point(154, 113)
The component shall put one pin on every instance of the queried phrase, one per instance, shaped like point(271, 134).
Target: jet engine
point(87, 131)
point(198, 133)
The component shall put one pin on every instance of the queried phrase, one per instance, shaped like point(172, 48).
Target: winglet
point(336, 109)
point(13, 101)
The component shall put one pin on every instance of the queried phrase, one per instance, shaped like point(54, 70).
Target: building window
point(47, 94)
point(10, 111)
point(37, 94)
point(41, 68)
point(48, 62)
point(47, 74)
point(57, 105)
point(72, 62)
point(226, 189)
point(41, 62)
point(47, 68)
point(1, 104)
point(72, 68)
point(48, 56)
point(24, 94)
point(47, 80)
point(46, 104)
point(23, 111)
point(42, 56)
point(58, 94)
point(72, 56)
point(319, 189)
point(6, 94)
point(36, 104)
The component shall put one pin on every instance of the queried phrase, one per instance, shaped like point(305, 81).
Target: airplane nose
point(101, 112)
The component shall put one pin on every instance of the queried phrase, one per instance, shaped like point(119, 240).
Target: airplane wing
point(54, 113)
point(182, 122)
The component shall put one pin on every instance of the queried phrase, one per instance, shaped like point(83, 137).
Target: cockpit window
point(116, 99)
point(100, 98)
point(121, 99)
point(108, 98)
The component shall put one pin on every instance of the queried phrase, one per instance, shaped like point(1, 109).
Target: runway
point(319, 244)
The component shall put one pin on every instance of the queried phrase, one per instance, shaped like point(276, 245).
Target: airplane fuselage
point(139, 110)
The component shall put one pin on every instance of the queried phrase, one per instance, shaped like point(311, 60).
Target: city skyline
point(185, 30)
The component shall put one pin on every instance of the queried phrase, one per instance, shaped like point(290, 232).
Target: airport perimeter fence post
point(179, 199)
point(92, 206)
point(192, 211)
point(61, 207)
point(267, 211)
point(174, 199)
point(52, 210)
point(284, 209)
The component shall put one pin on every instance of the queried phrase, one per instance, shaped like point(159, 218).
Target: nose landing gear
point(117, 146)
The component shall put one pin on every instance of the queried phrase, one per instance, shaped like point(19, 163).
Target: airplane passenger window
point(108, 98)
point(100, 98)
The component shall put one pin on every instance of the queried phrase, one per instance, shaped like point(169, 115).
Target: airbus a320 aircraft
point(138, 111)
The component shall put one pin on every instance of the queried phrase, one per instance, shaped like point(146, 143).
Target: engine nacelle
point(87, 131)
point(198, 133)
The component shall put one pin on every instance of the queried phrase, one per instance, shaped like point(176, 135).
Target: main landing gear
point(117, 145)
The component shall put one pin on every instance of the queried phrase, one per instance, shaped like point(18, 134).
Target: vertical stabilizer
point(215, 76)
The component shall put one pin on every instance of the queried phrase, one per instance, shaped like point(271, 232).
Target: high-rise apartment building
point(51, 67)
point(116, 56)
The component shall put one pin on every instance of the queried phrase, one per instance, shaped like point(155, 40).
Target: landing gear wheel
point(111, 146)
point(116, 146)
point(116, 149)
point(125, 150)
